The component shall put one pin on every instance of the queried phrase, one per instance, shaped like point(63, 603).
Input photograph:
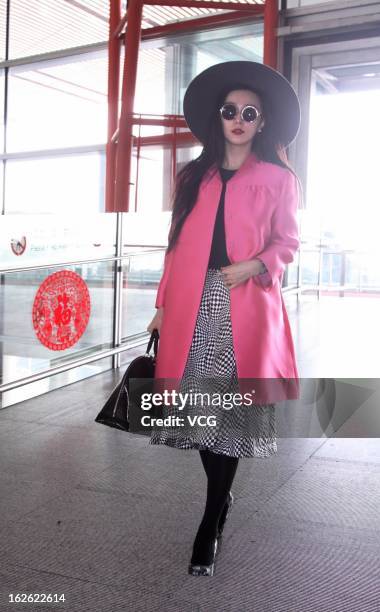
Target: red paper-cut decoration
point(61, 310)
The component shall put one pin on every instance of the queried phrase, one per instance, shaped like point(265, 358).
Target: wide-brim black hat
point(203, 93)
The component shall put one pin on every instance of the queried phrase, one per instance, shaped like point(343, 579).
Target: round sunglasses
point(248, 113)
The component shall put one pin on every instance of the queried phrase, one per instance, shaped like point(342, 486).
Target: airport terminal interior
point(93, 136)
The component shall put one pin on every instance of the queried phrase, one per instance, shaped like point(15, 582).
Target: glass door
point(336, 158)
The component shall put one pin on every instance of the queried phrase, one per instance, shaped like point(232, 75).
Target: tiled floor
point(108, 520)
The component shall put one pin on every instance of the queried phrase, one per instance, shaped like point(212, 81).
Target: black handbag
point(123, 408)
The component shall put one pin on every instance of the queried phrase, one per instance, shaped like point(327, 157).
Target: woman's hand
point(156, 321)
point(239, 272)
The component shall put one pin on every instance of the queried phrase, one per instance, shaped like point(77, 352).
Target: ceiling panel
point(41, 26)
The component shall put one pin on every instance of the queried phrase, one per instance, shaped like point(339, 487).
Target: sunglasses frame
point(241, 112)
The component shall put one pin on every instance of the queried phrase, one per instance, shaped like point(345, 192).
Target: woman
point(221, 316)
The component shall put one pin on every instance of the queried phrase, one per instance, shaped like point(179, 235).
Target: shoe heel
point(201, 570)
point(196, 569)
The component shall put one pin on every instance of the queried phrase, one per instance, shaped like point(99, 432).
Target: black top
point(218, 253)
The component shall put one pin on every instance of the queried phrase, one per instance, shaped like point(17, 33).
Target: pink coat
point(261, 204)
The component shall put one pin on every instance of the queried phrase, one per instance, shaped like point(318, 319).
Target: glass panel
point(149, 182)
point(24, 392)
point(331, 268)
point(139, 292)
point(69, 183)
point(2, 85)
point(66, 103)
point(42, 239)
point(336, 182)
point(151, 189)
point(60, 322)
point(2, 92)
point(2, 166)
point(353, 261)
point(163, 76)
point(293, 272)
point(165, 72)
point(3, 21)
point(299, 3)
point(369, 270)
point(231, 48)
point(186, 154)
point(310, 266)
point(140, 229)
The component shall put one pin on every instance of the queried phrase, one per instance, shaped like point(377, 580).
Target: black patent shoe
point(225, 513)
point(196, 569)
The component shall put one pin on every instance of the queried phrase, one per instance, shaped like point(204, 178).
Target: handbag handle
point(153, 340)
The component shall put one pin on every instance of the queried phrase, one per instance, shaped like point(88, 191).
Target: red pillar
point(113, 94)
point(124, 147)
point(270, 37)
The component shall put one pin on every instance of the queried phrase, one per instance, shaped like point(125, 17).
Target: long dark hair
point(189, 178)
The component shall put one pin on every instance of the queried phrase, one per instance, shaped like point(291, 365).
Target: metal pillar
point(270, 34)
point(113, 94)
point(124, 146)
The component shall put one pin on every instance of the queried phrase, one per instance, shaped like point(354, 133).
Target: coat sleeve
point(284, 240)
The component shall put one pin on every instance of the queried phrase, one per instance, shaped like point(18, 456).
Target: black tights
point(220, 471)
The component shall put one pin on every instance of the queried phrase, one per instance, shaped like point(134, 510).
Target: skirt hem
point(270, 449)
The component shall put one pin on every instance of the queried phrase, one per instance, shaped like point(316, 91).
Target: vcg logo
point(202, 420)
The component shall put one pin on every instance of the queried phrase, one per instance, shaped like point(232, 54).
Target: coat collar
point(244, 170)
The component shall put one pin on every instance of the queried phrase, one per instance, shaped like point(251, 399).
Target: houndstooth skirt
point(209, 416)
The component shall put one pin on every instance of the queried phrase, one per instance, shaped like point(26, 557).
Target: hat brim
point(202, 95)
